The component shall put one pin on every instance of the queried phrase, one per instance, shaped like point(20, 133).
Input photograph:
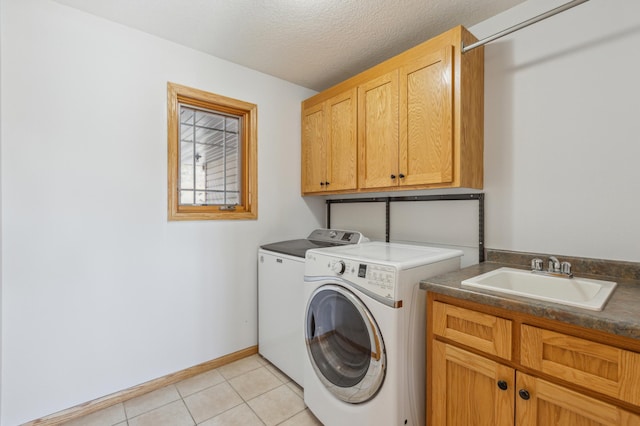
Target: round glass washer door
point(344, 344)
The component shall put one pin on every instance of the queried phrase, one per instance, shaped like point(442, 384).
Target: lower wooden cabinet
point(469, 383)
point(605, 369)
point(550, 404)
point(465, 389)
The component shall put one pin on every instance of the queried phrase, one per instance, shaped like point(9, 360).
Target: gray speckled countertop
point(621, 314)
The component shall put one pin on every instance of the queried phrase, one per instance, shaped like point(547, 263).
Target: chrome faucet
point(556, 268)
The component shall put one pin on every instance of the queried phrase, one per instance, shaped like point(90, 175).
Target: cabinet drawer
point(487, 333)
point(602, 368)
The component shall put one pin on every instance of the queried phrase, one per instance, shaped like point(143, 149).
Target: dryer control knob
point(339, 267)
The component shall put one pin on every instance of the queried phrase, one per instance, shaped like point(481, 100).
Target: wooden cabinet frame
point(420, 119)
point(426, 132)
point(329, 144)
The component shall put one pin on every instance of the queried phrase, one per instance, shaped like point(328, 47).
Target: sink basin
point(580, 292)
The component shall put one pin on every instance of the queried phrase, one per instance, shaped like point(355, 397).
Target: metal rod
point(522, 25)
point(481, 247)
point(444, 197)
point(387, 213)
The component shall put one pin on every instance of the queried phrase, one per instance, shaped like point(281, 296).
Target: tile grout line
point(227, 381)
point(246, 402)
point(127, 418)
point(263, 363)
point(186, 406)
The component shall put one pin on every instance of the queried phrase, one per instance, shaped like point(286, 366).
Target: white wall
point(449, 224)
point(99, 291)
point(562, 129)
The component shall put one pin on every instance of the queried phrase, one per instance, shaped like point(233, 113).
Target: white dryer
point(280, 296)
point(364, 330)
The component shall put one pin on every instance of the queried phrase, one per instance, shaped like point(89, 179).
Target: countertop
point(620, 316)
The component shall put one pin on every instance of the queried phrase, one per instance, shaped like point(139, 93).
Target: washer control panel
point(376, 278)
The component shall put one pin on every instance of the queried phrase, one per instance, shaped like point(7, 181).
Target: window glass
point(210, 167)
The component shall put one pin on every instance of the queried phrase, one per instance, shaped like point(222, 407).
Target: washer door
point(344, 344)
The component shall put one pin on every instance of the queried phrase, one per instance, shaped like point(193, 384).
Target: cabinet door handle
point(321, 183)
point(401, 176)
point(393, 176)
point(326, 183)
point(524, 394)
point(502, 384)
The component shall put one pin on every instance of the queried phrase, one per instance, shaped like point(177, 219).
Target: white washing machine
point(280, 297)
point(364, 331)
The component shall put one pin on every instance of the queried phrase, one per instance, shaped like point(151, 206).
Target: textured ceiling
point(313, 43)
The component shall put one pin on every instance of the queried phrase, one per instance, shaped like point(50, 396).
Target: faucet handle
point(536, 264)
point(565, 268)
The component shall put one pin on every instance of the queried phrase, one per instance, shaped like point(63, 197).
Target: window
point(212, 156)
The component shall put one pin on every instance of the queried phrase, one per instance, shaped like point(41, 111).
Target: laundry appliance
point(364, 329)
point(280, 296)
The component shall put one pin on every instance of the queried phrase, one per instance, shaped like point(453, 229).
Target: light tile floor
point(248, 392)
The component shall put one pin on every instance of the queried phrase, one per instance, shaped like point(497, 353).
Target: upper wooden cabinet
point(378, 131)
point(426, 120)
point(329, 146)
point(419, 120)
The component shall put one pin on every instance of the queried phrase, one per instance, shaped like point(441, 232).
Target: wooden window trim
point(248, 208)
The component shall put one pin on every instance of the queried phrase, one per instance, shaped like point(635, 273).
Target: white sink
point(580, 292)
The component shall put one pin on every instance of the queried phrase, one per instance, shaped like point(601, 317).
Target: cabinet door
point(314, 150)
point(606, 369)
point(426, 119)
point(378, 132)
point(553, 405)
point(465, 389)
point(342, 155)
